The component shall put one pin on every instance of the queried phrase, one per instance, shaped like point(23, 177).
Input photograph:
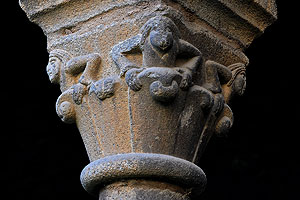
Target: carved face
point(53, 69)
point(239, 84)
point(161, 41)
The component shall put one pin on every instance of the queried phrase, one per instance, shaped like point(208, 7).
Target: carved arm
point(88, 64)
point(188, 50)
point(215, 75)
point(191, 65)
point(130, 45)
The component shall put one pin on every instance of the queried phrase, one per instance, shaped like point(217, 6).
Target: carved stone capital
point(148, 83)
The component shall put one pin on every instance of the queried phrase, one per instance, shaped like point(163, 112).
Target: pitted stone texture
point(88, 36)
point(143, 190)
point(239, 20)
point(165, 106)
point(259, 13)
point(95, 24)
point(38, 7)
point(142, 166)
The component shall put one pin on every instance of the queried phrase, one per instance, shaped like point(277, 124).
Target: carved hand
point(79, 90)
point(124, 69)
point(186, 80)
point(132, 80)
point(104, 88)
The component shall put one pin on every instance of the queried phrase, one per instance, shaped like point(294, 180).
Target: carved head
point(238, 80)
point(57, 59)
point(162, 33)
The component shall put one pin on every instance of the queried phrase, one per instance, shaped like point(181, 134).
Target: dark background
point(43, 157)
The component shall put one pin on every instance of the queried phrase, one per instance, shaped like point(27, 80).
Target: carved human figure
point(88, 68)
point(170, 63)
point(160, 45)
point(214, 75)
point(222, 83)
point(66, 70)
point(237, 84)
point(58, 59)
point(232, 85)
point(76, 76)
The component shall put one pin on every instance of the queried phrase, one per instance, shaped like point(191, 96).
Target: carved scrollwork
point(65, 107)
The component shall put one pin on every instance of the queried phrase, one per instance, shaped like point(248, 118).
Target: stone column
point(148, 82)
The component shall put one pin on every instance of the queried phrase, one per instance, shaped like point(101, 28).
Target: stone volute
point(148, 82)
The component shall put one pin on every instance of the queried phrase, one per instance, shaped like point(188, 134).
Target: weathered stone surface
point(144, 78)
point(164, 94)
point(164, 168)
point(143, 189)
point(241, 21)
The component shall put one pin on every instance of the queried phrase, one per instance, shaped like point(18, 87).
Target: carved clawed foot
point(186, 81)
point(132, 80)
point(124, 69)
point(79, 90)
point(103, 88)
point(164, 93)
point(166, 81)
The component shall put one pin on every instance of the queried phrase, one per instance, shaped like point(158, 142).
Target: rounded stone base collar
point(159, 167)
